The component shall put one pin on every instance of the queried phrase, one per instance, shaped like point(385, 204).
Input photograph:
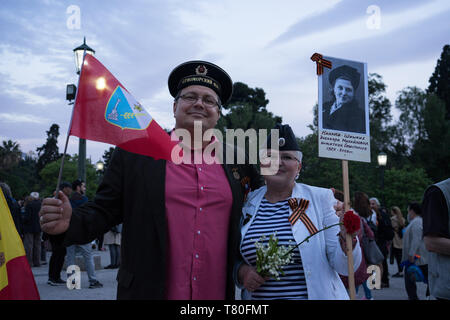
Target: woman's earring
point(297, 176)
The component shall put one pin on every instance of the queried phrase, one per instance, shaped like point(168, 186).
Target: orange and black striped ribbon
point(320, 62)
point(298, 212)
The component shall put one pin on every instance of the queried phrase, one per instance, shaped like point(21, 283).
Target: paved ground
point(107, 277)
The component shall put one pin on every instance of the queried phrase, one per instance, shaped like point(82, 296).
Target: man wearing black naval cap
point(343, 113)
point(180, 232)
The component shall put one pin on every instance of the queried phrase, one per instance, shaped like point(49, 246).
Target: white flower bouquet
point(271, 258)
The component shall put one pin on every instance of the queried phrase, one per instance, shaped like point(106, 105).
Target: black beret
point(345, 72)
point(287, 140)
point(64, 185)
point(201, 73)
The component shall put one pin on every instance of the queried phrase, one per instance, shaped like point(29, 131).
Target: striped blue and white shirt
point(272, 218)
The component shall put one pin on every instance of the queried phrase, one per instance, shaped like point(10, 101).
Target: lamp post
point(79, 52)
point(382, 160)
point(100, 166)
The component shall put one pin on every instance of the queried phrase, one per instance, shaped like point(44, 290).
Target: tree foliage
point(10, 154)
point(440, 79)
point(247, 110)
point(405, 185)
point(49, 151)
point(107, 157)
point(49, 175)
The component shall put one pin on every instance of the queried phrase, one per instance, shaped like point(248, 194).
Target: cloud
point(21, 118)
point(344, 13)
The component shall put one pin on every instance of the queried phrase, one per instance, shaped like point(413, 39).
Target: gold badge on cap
point(201, 70)
point(281, 142)
point(236, 173)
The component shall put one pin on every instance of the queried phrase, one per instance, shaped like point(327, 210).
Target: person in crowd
point(414, 249)
point(77, 199)
point(398, 223)
point(180, 234)
point(362, 208)
point(383, 235)
point(32, 229)
point(58, 250)
point(314, 270)
point(14, 207)
point(112, 240)
point(436, 232)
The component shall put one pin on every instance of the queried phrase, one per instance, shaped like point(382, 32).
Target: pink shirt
point(198, 207)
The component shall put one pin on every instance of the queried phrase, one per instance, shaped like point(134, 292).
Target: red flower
point(351, 222)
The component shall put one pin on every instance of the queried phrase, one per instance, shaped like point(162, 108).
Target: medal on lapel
point(236, 174)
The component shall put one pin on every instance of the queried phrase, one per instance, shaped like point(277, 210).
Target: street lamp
point(382, 160)
point(79, 52)
point(100, 165)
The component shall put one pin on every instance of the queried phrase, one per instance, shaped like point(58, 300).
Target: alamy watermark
point(373, 22)
point(73, 277)
point(241, 147)
point(374, 280)
point(74, 19)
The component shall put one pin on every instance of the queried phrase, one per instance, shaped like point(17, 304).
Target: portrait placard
point(343, 111)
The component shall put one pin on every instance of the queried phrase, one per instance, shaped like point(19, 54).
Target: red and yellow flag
point(16, 279)
point(105, 111)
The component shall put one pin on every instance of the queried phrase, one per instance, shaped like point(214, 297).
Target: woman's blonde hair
point(399, 215)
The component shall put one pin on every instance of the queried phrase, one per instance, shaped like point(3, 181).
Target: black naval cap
point(64, 184)
point(347, 73)
point(201, 73)
point(287, 140)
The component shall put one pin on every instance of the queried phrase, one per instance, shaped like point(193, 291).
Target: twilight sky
point(263, 43)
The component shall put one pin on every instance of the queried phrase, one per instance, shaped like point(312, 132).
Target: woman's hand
point(250, 279)
point(339, 208)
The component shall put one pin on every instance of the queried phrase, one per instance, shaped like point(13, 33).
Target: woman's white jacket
point(322, 256)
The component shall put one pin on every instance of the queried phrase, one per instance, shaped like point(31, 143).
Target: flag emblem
point(125, 112)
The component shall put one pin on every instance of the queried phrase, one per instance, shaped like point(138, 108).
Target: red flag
point(16, 279)
point(105, 111)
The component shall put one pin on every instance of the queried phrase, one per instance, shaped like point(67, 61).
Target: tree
point(432, 152)
point(440, 80)
point(50, 173)
point(405, 185)
point(10, 154)
point(107, 157)
point(247, 109)
point(411, 103)
point(49, 151)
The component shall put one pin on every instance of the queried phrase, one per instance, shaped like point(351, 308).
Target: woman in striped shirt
point(274, 209)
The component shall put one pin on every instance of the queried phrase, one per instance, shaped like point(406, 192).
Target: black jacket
point(133, 193)
point(31, 218)
point(349, 117)
point(14, 208)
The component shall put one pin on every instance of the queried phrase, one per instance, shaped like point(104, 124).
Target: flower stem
point(307, 238)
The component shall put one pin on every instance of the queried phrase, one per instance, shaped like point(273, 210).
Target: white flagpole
point(68, 131)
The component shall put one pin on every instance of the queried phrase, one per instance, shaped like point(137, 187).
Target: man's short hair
point(65, 184)
point(76, 183)
point(414, 206)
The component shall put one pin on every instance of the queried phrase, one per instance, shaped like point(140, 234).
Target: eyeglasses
point(288, 158)
point(208, 101)
point(285, 158)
